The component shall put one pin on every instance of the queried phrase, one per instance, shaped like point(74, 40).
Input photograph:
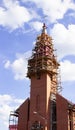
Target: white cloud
point(67, 71)
point(36, 25)
point(7, 103)
point(7, 64)
point(19, 65)
point(64, 39)
point(14, 16)
point(54, 9)
point(9, 4)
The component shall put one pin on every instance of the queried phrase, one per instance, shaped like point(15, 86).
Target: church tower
point(42, 71)
point(46, 109)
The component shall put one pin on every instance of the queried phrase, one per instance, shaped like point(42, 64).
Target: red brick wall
point(40, 90)
point(23, 116)
point(62, 114)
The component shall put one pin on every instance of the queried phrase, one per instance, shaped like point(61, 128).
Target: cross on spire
point(44, 28)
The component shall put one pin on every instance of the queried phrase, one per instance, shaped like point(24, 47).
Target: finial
point(44, 28)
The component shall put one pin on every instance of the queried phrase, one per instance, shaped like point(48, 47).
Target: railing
point(13, 127)
point(13, 121)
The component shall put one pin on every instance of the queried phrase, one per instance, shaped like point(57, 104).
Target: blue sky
point(20, 23)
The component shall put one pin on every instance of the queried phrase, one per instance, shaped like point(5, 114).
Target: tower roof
point(43, 58)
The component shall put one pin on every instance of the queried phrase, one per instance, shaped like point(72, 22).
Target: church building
point(46, 109)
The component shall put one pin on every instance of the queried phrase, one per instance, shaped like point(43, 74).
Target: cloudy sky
point(20, 23)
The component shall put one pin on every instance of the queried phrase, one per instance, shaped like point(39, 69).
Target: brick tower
point(42, 71)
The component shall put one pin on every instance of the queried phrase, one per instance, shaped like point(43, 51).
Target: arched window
point(37, 126)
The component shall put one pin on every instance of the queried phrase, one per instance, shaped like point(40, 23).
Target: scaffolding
point(71, 116)
point(53, 119)
point(53, 114)
point(43, 60)
point(59, 87)
point(13, 120)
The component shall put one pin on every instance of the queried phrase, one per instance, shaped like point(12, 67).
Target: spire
point(43, 59)
point(44, 28)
